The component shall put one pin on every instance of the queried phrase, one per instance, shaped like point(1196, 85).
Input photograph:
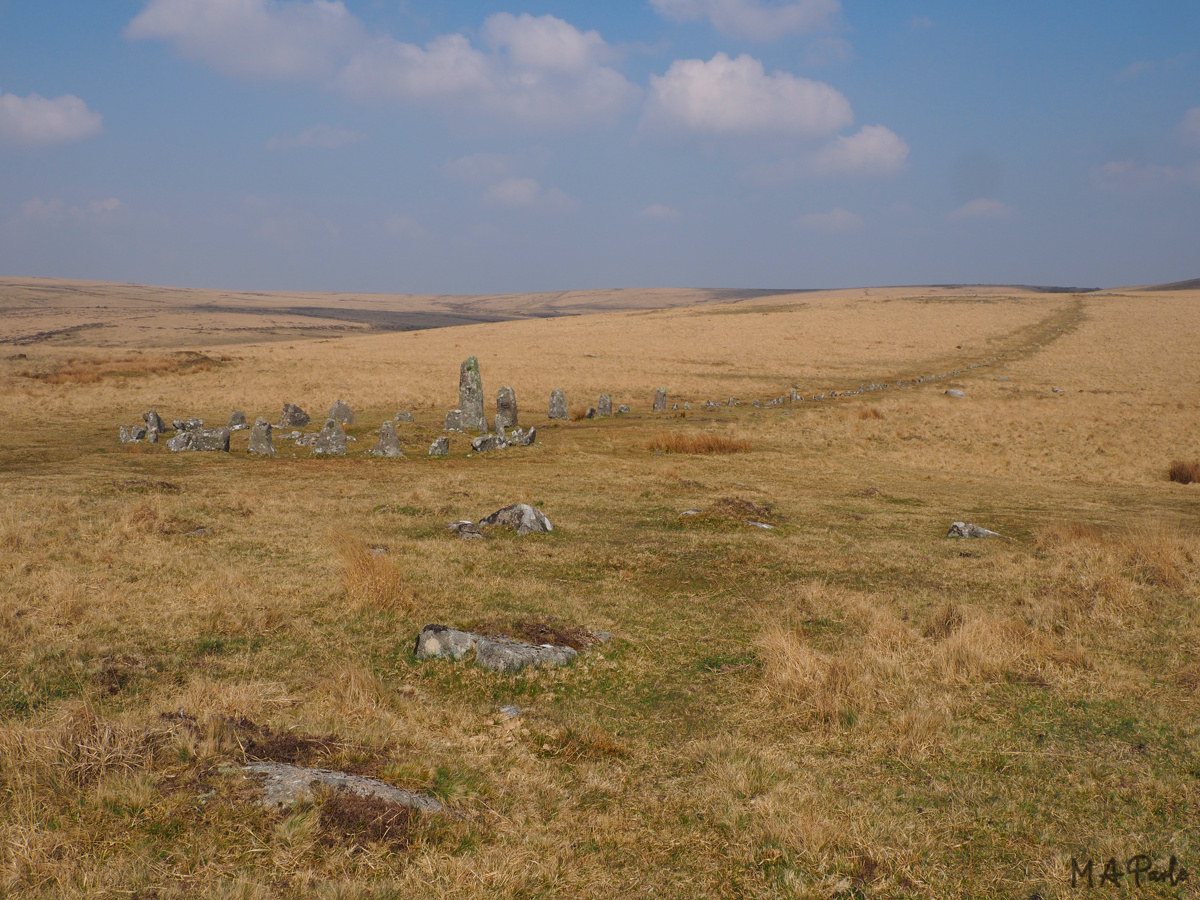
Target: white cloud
point(832, 222)
point(728, 97)
point(320, 136)
point(527, 193)
point(1190, 126)
point(404, 226)
point(34, 121)
point(982, 209)
point(874, 150)
point(754, 19)
point(657, 212)
point(1126, 176)
point(545, 43)
point(287, 40)
point(41, 211)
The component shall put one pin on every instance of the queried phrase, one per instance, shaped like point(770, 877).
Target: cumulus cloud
point(832, 222)
point(527, 193)
point(1190, 126)
point(982, 209)
point(657, 212)
point(35, 121)
point(754, 19)
point(323, 137)
point(729, 97)
point(532, 69)
point(287, 40)
point(874, 150)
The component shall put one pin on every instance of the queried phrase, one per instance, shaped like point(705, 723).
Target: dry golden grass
point(848, 698)
point(1184, 472)
point(670, 442)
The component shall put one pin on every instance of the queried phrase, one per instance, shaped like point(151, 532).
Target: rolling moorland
point(848, 703)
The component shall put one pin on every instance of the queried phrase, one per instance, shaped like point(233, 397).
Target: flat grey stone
point(441, 641)
point(211, 440)
point(510, 712)
point(341, 413)
point(522, 437)
point(955, 393)
point(486, 442)
point(604, 407)
point(331, 441)
point(293, 417)
point(506, 408)
point(760, 524)
point(521, 517)
point(470, 396)
point(403, 416)
point(180, 442)
point(388, 444)
point(440, 447)
point(496, 654)
point(964, 530)
point(660, 400)
point(287, 785)
point(467, 530)
point(558, 405)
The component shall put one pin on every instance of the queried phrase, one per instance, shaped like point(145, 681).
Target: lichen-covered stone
point(293, 417)
point(486, 442)
point(403, 416)
point(470, 395)
point(260, 438)
point(286, 785)
point(453, 421)
point(494, 653)
point(211, 440)
point(331, 441)
point(341, 413)
point(660, 400)
point(153, 422)
point(964, 530)
point(506, 408)
point(388, 444)
point(237, 420)
point(440, 447)
point(521, 517)
point(623, 410)
point(604, 407)
point(558, 405)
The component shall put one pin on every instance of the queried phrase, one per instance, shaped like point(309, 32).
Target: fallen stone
point(486, 442)
point(558, 405)
point(403, 416)
point(193, 424)
point(493, 653)
point(953, 393)
point(200, 532)
point(522, 517)
point(237, 420)
point(388, 444)
point(964, 530)
point(260, 438)
point(180, 442)
point(153, 422)
point(660, 400)
point(287, 785)
point(760, 525)
point(290, 436)
point(523, 438)
point(510, 712)
point(440, 447)
point(506, 408)
point(211, 440)
point(138, 433)
point(331, 441)
point(623, 410)
point(470, 395)
point(341, 413)
point(604, 407)
point(308, 440)
point(453, 421)
point(293, 417)
point(177, 425)
point(467, 530)
point(690, 512)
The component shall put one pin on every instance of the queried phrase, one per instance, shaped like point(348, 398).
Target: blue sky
point(415, 146)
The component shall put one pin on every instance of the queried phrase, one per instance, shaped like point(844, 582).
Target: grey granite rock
point(341, 413)
point(293, 417)
point(604, 407)
point(523, 437)
point(388, 444)
point(558, 405)
point(180, 442)
point(138, 433)
point(954, 393)
point(466, 530)
point(494, 653)
point(260, 438)
point(470, 396)
point(286, 785)
point(591, 413)
point(331, 441)
point(486, 442)
point(237, 419)
point(660, 400)
point(210, 440)
point(623, 410)
point(124, 436)
point(403, 416)
point(154, 422)
point(521, 517)
point(193, 425)
point(506, 408)
point(964, 530)
point(453, 421)
point(440, 447)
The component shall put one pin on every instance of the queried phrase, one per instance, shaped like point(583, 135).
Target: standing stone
point(260, 438)
point(470, 395)
point(181, 441)
point(558, 404)
point(153, 422)
point(293, 417)
point(341, 413)
point(591, 413)
point(389, 444)
point(453, 420)
point(506, 408)
point(604, 407)
point(138, 432)
point(660, 400)
point(440, 447)
point(151, 435)
point(124, 435)
point(403, 416)
point(237, 420)
point(193, 425)
point(213, 439)
point(331, 441)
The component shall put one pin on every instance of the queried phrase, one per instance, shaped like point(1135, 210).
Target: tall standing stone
point(153, 422)
point(506, 408)
point(470, 395)
point(558, 405)
point(389, 444)
point(341, 413)
point(293, 416)
point(660, 400)
point(237, 420)
point(260, 438)
point(331, 441)
point(604, 407)
point(453, 421)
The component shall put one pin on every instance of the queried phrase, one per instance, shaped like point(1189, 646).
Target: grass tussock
point(871, 412)
point(578, 413)
point(370, 578)
point(666, 442)
point(986, 649)
point(1184, 472)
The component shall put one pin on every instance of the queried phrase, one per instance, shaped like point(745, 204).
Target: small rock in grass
point(440, 447)
point(623, 410)
point(467, 530)
point(964, 530)
point(955, 393)
point(521, 517)
point(237, 420)
point(287, 785)
point(403, 416)
point(454, 421)
point(486, 442)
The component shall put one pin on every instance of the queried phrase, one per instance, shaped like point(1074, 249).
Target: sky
point(413, 146)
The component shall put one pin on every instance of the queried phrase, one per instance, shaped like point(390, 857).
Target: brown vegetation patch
point(538, 631)
point(666, 442)
point(741, 508)
point(93, 370)
point(1184, 472)
point(142, 486)
point(588, 742)
point(944, 622)
point(350, 818)
point(870, 413)
point(579, 413)
point(371, 579)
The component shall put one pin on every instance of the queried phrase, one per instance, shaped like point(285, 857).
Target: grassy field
point(847, 704)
